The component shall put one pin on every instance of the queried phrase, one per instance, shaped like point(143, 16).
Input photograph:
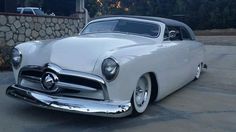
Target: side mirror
point(172, 34)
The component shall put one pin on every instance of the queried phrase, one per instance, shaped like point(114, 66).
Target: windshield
point(38, 12)
point(123, 26)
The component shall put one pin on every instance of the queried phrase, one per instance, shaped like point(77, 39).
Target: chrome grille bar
point(75, 87)
point(31, 78)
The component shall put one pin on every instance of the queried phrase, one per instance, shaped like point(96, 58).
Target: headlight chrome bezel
point(110, 76)
point(16, 62)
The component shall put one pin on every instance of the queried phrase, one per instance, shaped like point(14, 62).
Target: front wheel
point(141, 95)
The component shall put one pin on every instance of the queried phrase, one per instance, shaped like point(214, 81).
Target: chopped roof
point(168, 22)
point(159, 19)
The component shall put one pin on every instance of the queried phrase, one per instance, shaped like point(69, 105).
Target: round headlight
point(110, 69)
point(16, 57)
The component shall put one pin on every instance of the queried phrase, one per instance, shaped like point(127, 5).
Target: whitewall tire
point(141, 95)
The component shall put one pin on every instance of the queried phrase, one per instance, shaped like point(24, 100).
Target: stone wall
point(15, 29)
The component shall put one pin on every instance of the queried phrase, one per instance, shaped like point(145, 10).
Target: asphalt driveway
point(206, 105)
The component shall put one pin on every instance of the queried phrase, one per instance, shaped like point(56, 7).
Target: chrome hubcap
point(199, 68)
point(141, 93)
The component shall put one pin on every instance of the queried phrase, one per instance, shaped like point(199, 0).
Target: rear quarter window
point(185, 34)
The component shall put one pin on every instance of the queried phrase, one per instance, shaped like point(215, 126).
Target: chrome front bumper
point(75, 105)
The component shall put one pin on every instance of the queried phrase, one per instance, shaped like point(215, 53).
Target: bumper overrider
point(75, 105)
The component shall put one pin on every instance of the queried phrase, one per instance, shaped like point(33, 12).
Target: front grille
point(69, 83)
point(35, 74)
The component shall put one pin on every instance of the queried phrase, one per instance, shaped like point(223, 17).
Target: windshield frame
point(129, 33)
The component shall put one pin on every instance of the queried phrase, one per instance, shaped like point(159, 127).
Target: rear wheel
point(199, 70)
point(141, 95)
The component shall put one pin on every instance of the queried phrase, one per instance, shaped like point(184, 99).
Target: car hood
point(80, 53)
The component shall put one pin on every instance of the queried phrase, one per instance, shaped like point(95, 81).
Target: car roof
point(158, 19)
point(166, 21)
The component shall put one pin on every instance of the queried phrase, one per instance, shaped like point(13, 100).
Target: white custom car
point(115, 67)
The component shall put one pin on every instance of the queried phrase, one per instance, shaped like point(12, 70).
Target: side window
point(166, 34)
point(185, 34)
point(178, 36)
point(28, 11)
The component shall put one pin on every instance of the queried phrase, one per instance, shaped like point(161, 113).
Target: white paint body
point(174, 63)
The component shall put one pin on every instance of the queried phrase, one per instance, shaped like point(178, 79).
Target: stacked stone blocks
point(16, 29)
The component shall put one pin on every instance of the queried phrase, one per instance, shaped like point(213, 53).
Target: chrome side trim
point(75, 105)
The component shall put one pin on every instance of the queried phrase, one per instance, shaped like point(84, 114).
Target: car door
point(177, 60)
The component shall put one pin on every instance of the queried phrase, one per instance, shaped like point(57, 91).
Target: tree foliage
point(36, 3)
point(199, 14)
